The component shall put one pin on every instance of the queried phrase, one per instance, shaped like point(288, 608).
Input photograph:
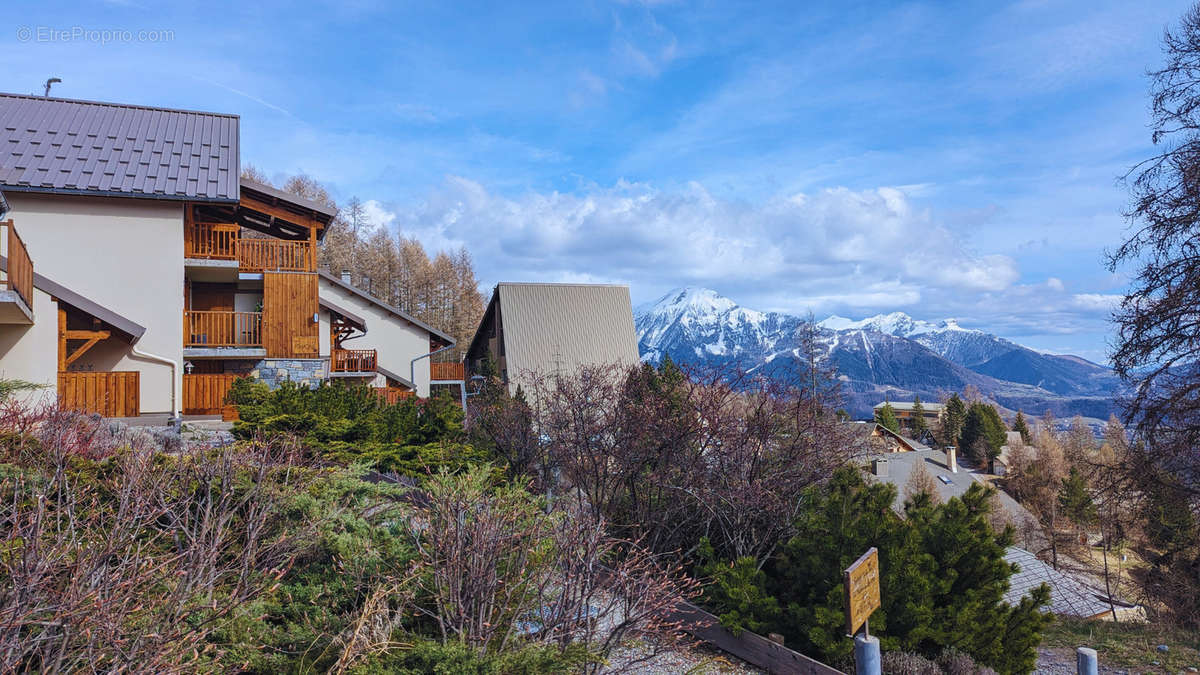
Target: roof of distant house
point(908, 405)
point(863, 431)
point(900, 466)
point(86, 147)
point(547, 325)
point(1068, 595)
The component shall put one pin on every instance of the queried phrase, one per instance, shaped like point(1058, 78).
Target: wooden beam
point(62, 338)
point(264, 208)
point(88, 334)
point(82, 349)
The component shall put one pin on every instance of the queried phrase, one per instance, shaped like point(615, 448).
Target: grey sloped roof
point(1068, 595)
point(551, 325)
point(86, 147)
point(909, 405)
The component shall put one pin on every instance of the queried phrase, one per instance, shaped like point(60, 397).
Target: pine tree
point(1022, 427)
point(983, 432)
point(919, 425)
point(924, 609)
point(1075, 498)
point(886, 417)
point(953, 419)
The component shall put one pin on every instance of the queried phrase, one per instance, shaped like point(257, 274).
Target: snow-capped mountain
point(885, 356)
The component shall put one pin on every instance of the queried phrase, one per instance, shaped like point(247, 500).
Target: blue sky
point(942, 159)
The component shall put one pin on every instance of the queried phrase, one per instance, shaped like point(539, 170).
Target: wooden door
point(289, 305)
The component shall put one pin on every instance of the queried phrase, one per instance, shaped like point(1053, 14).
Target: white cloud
point(376, 216)
point(831, 248)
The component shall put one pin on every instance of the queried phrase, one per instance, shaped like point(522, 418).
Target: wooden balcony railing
point(19, 277)
point(259, 255)
point(222, 329)
point(392, 395)
point(352, 361)
point(446, 371)
point(217, 241)
point(222, 241)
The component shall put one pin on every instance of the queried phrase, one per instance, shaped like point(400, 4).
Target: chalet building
point(531, 328)
point(872, 438)
point(932, 412)
point(142, 274)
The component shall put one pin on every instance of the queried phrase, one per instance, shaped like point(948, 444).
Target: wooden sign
point(862, 589)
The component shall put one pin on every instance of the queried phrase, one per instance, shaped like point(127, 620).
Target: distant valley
point(889, 356)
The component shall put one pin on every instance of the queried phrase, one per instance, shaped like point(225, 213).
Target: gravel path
point(698, 659)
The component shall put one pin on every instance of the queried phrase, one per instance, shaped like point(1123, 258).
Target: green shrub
point(349, 424)
point(942, 578)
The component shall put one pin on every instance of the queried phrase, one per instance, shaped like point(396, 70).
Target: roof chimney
point(951, 459)
point(346, 278)
point(879, 467)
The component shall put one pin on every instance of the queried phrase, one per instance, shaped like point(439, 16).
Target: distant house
point(932, 412)
point(872, 438)
point(548, 328)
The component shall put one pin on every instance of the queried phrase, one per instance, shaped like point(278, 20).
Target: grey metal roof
point(130, 328)
point(86, 147)
point(547, 326)
point(326, 276)
point(908, 405)
point(1068, 596)
point(900, 466)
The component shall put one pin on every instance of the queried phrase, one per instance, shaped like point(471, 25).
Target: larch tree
point(1157, 346)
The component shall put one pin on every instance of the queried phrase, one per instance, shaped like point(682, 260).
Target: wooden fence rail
point(222, 329)
point(112, 394)
point(392, 395)
point(277, 255)
point(204, 394)
point(352, 361)
point(446, 371)
point(216, 241)
point(19, 276)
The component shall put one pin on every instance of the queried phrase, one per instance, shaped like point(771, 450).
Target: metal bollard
point(866, 655)
point(1086, 661)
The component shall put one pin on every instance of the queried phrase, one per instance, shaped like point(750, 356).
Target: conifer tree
point(886, 417)
point(952, 420)
point(919, 425)
point(1076, 500)
point(1022, 427)
point(983, 432)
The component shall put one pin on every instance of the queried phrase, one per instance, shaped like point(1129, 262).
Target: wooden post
point(62, 339)
point(312, 248)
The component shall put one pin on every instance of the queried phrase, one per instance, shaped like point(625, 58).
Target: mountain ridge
point(887, 356)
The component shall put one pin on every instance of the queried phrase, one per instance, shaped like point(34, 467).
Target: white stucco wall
point(395, 340)
point(125, 254)
point(30, 353)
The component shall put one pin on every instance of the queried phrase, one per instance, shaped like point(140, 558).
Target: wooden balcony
point(222, 329)
point(392, 395)
point(223, 241)
point(352, 361)
point(19, 276)
point(442, 372)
